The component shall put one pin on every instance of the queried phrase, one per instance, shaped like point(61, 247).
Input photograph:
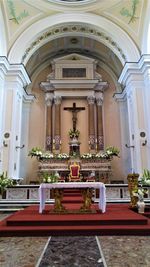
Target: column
point(3, 63)
point(91, 105)
point(132, 79)
point(16, 79)
point(26, 109)
point(57, 126)
point(121, 100)
point(100, 137)
point(48, 100)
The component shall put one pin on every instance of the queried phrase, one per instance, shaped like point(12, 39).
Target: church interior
point(74, 105)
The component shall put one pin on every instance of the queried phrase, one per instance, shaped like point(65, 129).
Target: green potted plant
point(5, 182)
point(145, 178)
point(50, 178)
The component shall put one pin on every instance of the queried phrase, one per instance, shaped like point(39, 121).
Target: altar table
point(95, 185)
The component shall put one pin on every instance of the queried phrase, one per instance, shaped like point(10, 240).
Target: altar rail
point(30, 194)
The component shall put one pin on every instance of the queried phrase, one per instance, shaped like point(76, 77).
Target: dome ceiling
point(73, 44)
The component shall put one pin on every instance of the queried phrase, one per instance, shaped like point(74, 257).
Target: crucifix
point(74, 111)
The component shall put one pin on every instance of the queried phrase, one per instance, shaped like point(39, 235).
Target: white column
point(133, 80)
point(145, 63)
point(125, 152)
point(3, 69)
point(16, 79)
point(26, 106)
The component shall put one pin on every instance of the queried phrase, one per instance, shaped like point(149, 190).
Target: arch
point(145, 46)
point(114, 32)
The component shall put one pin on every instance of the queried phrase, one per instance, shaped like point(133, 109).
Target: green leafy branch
point(130, 14)
point(12, 11)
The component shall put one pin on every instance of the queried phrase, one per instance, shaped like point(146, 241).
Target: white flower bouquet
point(62, 156)
point(87, 156)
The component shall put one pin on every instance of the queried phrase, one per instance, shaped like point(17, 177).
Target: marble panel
point(16, 193)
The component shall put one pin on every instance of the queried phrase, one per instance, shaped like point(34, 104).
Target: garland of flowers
point(41, 155)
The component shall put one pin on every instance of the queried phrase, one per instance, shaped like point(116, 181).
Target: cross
point(74, 111)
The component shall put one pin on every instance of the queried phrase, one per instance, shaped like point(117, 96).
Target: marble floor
point(118, 251)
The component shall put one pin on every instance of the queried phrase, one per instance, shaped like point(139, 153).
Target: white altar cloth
point(96, 185)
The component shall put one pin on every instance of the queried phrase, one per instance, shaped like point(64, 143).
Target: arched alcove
point(114, 36)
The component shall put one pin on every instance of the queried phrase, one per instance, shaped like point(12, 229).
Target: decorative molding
point(15, 72)
point(76, 29)
point(57, 100)
point(91, 99)
point(99, 101)
point(48, 99)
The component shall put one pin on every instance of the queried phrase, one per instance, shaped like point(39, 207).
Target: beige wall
point(111, 121)
point(82, 124)
point(112, 132)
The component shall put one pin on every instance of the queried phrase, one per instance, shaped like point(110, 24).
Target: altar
point(101, 167)
point(75, 185)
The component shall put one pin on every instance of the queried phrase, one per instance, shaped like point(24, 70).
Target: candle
point(53, 141)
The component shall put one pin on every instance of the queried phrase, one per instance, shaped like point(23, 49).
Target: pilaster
point(57, 126)
point(91, 105)
point(15, 80)
point(133, 80)
point(48, 100)
point(100, 137)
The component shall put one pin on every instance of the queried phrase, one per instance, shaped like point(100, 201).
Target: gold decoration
point(87, 194)
point(133, 186)
point(58, 196)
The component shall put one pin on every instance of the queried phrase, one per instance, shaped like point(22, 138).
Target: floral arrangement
point(74, 133)
point(112, 151)
point(50, 178)
point(5, 182)
point(47, 155)
point(108, 153)
point(102, 155)
point(87, 156)
point(62, 156)
point(35, 152)
point(145, 179)
point(140, 193)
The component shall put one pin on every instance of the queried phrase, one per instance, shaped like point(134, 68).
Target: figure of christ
point(74, 111)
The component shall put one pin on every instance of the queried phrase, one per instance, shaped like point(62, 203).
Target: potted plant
point(50, 178)
point(5, 182)
point(145, 179)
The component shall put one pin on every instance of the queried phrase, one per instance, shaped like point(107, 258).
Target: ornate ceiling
point(20, 15)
